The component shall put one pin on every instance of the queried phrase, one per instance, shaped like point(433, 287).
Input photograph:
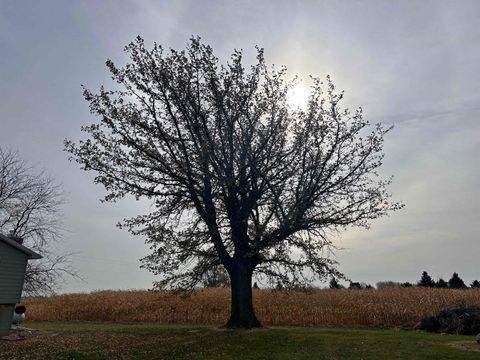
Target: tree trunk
point(242, 314)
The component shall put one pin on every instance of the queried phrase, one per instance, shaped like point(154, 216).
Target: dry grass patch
point(371, 308)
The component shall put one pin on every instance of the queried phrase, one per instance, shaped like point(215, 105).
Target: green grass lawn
point(92, 340)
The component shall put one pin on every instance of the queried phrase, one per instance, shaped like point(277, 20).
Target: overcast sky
point(412, 64)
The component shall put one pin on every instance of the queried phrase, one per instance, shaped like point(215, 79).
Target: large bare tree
point(30, 210)
point(237, 177)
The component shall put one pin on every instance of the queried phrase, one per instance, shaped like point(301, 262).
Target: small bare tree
point(30, 210)
point(238, 178)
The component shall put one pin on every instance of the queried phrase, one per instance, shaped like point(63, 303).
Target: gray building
point(13, 263)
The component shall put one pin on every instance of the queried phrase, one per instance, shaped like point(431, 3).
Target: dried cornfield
point(373, 308)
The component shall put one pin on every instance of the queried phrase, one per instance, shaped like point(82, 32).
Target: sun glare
point(297, 96)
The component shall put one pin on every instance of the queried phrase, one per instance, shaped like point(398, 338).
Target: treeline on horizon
point(218, 278)
point(455, 282)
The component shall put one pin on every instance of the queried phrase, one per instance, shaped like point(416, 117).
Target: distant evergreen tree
point(355, 286)
point(475, 284)
point(426, 280)
point(456, 282)
point(441, 284)
point(368, 287)
point(407, 284)
point(334, 284)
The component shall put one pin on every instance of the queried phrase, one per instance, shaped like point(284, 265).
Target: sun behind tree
point(297, 96)
point(237, 178)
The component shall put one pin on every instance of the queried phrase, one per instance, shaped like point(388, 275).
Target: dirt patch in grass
point(465, 345)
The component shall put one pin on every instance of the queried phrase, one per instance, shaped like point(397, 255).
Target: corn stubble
point(372, 308)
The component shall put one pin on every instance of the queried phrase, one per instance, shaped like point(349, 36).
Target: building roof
point(30, 253)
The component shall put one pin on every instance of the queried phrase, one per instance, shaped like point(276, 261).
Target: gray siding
point(6, 314)
point(12, 273)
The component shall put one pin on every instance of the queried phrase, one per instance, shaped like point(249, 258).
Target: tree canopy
point(237, 177)
point(426, 280)
point(441, 284)
point(475, 284)
point(456, 282)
